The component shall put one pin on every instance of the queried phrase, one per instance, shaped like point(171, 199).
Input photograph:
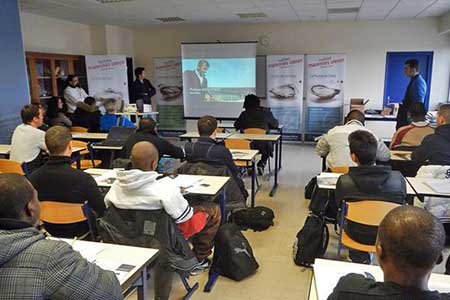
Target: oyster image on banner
point(284, 91)
point(170, 92)
point(323, 92)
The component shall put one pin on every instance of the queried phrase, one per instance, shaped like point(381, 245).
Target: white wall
point(365, 44)
point(119, 40)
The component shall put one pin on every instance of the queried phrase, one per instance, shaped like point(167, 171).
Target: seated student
point(409, 244)
point(435, 148)
point(109, 119)
point(256, 116)
point(411, 136)
point(206, 149)
point(141, 188)
point(58, 181)
point(28, 142)
point(33, 267)
point(55, 113)
point(87, 115)
point(367, 182)
point(334, 144)
point(147, 132)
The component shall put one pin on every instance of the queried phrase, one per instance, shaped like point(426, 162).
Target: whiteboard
point(261, 76)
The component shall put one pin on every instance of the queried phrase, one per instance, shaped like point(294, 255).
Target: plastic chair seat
point(340, 169)
point(61, 213)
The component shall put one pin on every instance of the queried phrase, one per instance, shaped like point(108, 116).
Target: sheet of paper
point(186, 181)
point(328, 178)
point(109, 175)
point(238, 154)
point(441, 187)
point(89, 253)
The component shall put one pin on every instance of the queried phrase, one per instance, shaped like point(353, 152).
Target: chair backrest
point(237, 144)
point(11, 166)
point(61, 213)
point(81, 144)
point(368, 212)
point(78, 129)
point(340, 169)
point(90, 217)
point(255, 131)
point(219, 130)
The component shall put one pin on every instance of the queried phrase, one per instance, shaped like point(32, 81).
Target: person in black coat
point(147, 132)
point(367, 182)
point(435, 148)
point(195, 83)
point(256, 116)
point(87, 115)
point(143, 90)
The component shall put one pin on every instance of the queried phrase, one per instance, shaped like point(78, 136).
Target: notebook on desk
point(117, 136)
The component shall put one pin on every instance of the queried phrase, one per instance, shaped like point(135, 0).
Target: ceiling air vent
point(347, 10)
point(171, 19)
point(252, 15)
point(112, 1)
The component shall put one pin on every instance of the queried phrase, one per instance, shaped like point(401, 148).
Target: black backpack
point(258, 218)
point(233, 255)
point(311, 241)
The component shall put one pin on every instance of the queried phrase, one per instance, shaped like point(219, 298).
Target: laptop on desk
point(117, 136)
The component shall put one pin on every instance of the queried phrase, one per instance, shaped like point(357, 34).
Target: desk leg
point(275, 182)
point(281, 146)
point(142, 288)
point(253, 182)
point(111, 158)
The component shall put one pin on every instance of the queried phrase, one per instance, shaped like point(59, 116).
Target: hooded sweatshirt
point(435, 148)
point(34, 268)
point(136, 189)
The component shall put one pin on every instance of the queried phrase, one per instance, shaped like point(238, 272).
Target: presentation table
point(328, 272)
point(274, 139)
point(194, 135)
point(89, 136)
point(111, 257)
point(249, 157)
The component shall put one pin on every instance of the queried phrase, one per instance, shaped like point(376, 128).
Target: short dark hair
point(57, 138)
point(89, 100)
point(364, 145)
point(356, 115)
point(251, 101)
point(417, 111)
point(206, 125)
point(412, 237)
point(138, 71)
point(147, 125)
point(444, 110)
point(202, 62)
point(29, 112)
point(412, 63)
point(70, 77)
point(15, 193)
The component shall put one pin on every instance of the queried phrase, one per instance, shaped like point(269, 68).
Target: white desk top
point(401, 155)
point(94, 146)
point(5, 149)
point(194, 184)
point(256, 137)
point(136, 113)
point(244, 154)
point(420, 186)
point(330, 180)
point(110, 256)
point(78, 149)
point(226, 125)
point(328, 272)
point(195, 135)
point(89, 135)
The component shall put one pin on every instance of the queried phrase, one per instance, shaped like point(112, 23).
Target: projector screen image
point(217, 77)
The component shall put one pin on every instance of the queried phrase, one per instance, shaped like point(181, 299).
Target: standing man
point(415, 92)
point(73, 93)
point(143, 90)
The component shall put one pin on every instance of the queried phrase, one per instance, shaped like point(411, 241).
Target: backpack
point(258, 218)
point(311, 241)
point(233, 255)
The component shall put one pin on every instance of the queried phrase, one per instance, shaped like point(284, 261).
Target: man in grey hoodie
point(33, 267)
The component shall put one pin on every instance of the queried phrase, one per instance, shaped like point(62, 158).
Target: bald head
point(144, 156)
point(410, 238)
point(444, 114)
point(355, 115)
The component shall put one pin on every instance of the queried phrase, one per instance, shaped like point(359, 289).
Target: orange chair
point(219, 130)
point(85, 163)
point(340, 169)
point(12, 166)
point(238, 144)
point(366, 212)
point(78, 129)
point(254, 131)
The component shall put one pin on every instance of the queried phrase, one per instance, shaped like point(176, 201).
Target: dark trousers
point(203, 242)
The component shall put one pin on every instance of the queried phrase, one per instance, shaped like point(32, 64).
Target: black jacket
point(356, 286)
point(143, 90)
point(58, 181)
point(435, 148)
point(260, 117)
point(371, 183)
point(87, 119)
point(164, 147)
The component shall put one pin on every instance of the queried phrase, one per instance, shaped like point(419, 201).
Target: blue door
point(396, 82)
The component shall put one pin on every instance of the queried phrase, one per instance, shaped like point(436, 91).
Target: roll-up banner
point(325, 77)
point(107, 77)
point(285, 90)
point(169, 92)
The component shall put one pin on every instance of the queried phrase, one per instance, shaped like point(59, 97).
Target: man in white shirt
point(334, 144)
point(73, 93)
point(28, 141)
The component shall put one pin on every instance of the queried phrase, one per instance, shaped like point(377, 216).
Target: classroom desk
point(273, 138)
point(420, 187)
point(110, 256)
point(89, 135)
point(401, 155)
point(194, 135)
point(328, 272)
point(248, 156)
point(5, 149)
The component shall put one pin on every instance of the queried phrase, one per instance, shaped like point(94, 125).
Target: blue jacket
point(416, 90)
point(109, 120)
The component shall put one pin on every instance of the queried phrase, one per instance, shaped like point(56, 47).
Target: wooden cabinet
point(47, 74)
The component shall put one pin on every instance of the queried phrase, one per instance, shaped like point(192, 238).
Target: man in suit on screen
point(196, 84)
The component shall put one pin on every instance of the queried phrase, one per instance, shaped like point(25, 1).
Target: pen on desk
point(73, 242)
